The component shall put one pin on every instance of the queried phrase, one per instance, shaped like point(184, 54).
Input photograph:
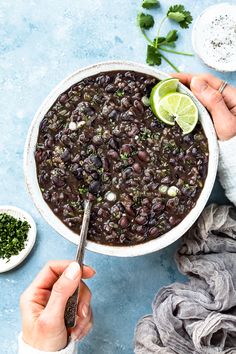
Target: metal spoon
point(72, 303)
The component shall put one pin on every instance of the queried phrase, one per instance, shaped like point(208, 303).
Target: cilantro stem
point(159, 29)
point(146, 37)
point(175, 52)
point(170, 63)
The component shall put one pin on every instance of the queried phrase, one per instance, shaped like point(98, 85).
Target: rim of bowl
point(231, 67)
point(31, 174)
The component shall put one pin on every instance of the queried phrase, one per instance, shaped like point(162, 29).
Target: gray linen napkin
point(199, 316)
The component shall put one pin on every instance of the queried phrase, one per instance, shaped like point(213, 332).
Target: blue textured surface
point(40, 43)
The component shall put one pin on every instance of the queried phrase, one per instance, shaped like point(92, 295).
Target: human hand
point(221, 106)
point(43, 305)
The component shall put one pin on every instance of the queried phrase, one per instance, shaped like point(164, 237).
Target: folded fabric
point(199, 316)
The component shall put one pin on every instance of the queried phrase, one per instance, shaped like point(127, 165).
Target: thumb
point(63, 288)
point(212, 99)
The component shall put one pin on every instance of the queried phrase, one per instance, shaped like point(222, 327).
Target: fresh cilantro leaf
point(149, 4)
point(120, 93)
point(83, 190)
point(172, 36)
point(180, 15)
point(153, 56)
point(145, 21)
point(124, 156)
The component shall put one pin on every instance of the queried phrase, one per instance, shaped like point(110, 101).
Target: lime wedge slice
point(162, 89)
point(178, 107)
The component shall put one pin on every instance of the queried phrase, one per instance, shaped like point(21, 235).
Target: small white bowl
point(22, 215)
point(214, 37)
point(31, 173)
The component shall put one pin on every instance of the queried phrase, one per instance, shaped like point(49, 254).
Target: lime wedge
point(162, 89)
point(178, 107)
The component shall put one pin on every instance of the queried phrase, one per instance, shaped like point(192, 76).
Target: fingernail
point(198, 84)
point(94, 271)
point(72, 271)
point(85, 310)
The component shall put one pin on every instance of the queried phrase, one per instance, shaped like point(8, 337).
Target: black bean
point(134, 131)
point(91, 197)
point(96, 160)
point(110, 88)
point(57, 181)
point(140, 229)
point(139, 106)
point(113, 154)
point(65, 156)
point(146, 202)
point(95, 176)
point(79, 173)
point(153, 232)
point(173, 221)
point(105, 164)
point(113, 143)
point(158, 206)
point(63, 98)
point(127, 172)
point(97, 140)
point(113, 115)
point(172, 203)
point(94, 187)
point(124, 222)
point(125, 102)
point(141, 220)
point(129, 210)
point(143, 156)
point(152, 222)
point(126, 148)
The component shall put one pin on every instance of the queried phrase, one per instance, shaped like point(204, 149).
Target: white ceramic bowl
point(54, 221)
point(214, 38)
point(22, 215)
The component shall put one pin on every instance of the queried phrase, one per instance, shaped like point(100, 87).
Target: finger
point(86, 330)
point(184, 78)
point(228, 94)
point(63, 288)
point(213, 101)
point(52, 271)
point(88, 272)
point(84, 301)
point(82, 328)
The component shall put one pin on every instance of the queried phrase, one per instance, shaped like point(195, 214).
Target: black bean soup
point(101, 140)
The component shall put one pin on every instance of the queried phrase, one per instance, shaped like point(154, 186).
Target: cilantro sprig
point(160, 44)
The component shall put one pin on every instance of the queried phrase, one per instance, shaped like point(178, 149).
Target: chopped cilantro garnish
point(83, 190)
point(124, 156)
point(120, 93)
point(145, 134)
point(13, 235)
point(75, 204)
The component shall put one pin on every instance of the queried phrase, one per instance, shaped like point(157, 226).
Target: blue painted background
point(41, 42)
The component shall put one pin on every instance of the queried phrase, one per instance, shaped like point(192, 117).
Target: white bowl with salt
point(214, 37)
